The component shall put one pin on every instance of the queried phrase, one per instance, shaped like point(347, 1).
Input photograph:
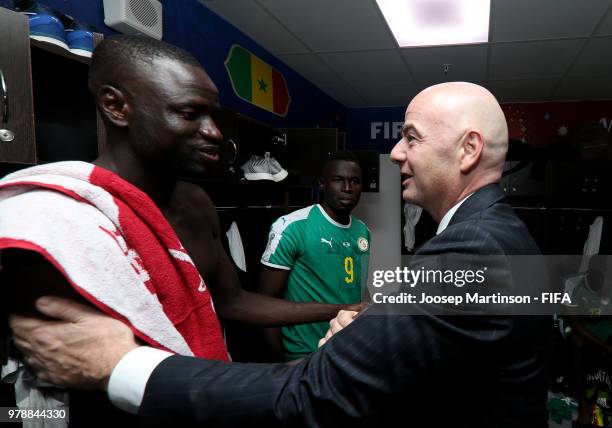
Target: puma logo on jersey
point(325, 241)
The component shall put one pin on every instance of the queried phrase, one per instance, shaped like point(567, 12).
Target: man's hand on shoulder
point(78, 349)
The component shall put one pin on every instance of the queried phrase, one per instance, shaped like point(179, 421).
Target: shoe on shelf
point(44, 24)
point(80, 40)
point(263, 168)
point(47, 28)
point(277, 170)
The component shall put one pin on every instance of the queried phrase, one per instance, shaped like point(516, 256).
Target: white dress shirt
point(129, 378)
point(449, 214)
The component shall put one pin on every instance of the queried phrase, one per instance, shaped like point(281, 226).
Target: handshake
point(344, 318)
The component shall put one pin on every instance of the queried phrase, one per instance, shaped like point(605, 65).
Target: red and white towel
point(115, 247)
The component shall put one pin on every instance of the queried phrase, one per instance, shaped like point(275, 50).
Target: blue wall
point(209, 37)
point(192, 26)
point(374, 128)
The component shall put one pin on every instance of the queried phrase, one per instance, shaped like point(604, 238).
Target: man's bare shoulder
point(193, 195)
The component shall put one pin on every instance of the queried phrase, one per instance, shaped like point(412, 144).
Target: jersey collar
point(334, 222)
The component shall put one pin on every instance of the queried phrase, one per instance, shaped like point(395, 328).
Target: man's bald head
point(463, 106)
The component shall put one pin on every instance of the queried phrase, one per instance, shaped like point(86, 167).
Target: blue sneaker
point(47, 28)
point(80, 41)
point(44, 25)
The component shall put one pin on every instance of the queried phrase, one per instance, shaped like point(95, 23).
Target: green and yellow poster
point(257, 82)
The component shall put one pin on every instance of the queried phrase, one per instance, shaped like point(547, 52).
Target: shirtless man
point(157, 105)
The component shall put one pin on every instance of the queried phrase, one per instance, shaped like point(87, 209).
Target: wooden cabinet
point(309, 148)
point(301, 151)
point(50, 110)
point(242, 138)
point(307, 151)
point(16, 109)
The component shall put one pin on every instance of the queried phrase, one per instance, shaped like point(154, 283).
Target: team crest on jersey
point(363, 244)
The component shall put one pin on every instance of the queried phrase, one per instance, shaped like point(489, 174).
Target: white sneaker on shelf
point(263, 168)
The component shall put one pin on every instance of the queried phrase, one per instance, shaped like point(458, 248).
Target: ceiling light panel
point(437, 22)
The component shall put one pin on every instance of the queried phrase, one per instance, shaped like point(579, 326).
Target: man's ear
point(113, 105)
point(471, 151)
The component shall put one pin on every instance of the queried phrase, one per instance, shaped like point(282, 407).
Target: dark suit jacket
point(460, 371)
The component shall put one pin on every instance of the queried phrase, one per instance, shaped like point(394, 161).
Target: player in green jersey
point(318, 254)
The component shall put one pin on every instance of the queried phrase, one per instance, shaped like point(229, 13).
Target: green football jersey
point(328, 263)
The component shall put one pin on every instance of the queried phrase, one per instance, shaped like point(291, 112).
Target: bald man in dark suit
point(426, 370)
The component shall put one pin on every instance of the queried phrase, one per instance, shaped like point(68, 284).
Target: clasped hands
point(342, 319)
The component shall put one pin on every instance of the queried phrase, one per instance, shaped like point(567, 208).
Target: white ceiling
point(539, 50)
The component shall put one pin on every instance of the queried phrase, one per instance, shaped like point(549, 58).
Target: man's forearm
point(267, 311)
